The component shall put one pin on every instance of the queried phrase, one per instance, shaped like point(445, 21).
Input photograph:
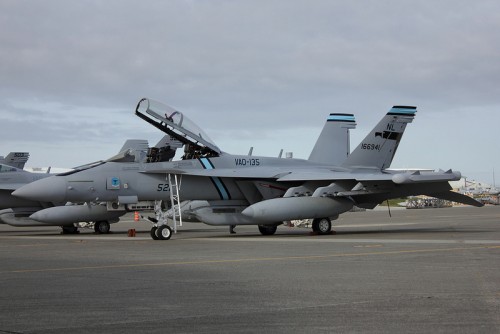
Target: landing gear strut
point(160, 229)
point(322, 226)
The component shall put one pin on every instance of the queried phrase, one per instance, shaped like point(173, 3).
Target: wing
point(282, 174)
point(366, 187)
point(287, 174)
point(241, 173)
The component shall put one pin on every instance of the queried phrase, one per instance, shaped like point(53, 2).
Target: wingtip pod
point(456, 197)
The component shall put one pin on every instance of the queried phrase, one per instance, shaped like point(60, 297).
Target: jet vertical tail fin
point(164, 150)
point(333, 144)
point(134, 145)
point(15, 159)
point(378, 148)
point(132, 150)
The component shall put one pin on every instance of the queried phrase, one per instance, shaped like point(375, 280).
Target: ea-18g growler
point(254, 190)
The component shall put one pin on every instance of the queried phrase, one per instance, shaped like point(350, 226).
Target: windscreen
point(7, 169)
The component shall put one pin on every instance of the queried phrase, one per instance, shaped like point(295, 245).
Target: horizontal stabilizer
point(456, 197)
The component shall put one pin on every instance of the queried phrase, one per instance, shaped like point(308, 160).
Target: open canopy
point(176, 124)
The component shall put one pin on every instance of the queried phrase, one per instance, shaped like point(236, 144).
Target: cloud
point(75, 70)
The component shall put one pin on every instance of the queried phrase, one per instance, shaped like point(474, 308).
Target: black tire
point(153, 233)
point(322, 226)
point(102, 227)
point(268, 229)
point(69, 230)
point(164, 232)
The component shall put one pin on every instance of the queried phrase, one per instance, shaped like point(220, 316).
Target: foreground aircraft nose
point(51, 189)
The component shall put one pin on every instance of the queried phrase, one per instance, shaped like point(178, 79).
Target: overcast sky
point(251, 73)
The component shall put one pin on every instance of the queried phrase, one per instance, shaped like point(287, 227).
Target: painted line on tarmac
point(248, 260)
point(297, 238)
point(351, 240)
point(374, 225)
point(27, 245)
point(80, 238)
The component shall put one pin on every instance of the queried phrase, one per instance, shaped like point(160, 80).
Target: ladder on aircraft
point(175, 200)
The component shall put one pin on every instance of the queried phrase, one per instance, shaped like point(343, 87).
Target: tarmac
point(419, 271)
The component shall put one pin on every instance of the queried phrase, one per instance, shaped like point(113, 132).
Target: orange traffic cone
point(136, 216)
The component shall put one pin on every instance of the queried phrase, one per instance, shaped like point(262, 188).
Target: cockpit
point(8, 169)
point(180, 130)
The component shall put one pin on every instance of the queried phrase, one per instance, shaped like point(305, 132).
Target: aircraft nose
point(51, 189)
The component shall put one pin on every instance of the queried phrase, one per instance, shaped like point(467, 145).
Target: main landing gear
point(322, 226)
point(102, 227)
point(160, 229)
point(268, 229)
point(163, 232)
point(72, 229)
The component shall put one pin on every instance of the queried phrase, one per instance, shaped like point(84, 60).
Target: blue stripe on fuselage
point(222, 189)
point(219, 185)
point(206, 163)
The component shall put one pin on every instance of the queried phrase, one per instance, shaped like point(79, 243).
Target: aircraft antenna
point(494, 185)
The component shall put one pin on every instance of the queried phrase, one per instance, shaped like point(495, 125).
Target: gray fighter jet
point(15, 159)
point(20, 212)
point(263, 191)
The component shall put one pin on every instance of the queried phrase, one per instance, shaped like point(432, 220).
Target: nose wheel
point(160, 229)
point(163, 232)
point(153, 233)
